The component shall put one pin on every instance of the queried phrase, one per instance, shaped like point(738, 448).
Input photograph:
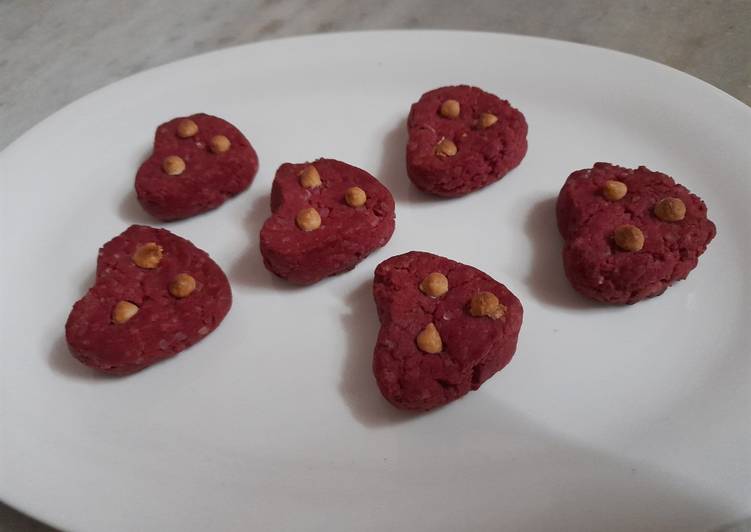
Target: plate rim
point(30, 508)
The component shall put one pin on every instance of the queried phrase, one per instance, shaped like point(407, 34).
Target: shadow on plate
point(584, 488)
point(132, 212)
point(129, 209)
point(62, 362)
point(547, 280)
point(393, 169)
point(743, 525)
point(87, 282)
point(248, 269)
point(358, 386)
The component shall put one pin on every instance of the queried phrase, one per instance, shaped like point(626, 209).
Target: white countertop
point(53, 52)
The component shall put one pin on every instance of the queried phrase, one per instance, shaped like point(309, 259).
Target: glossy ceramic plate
point(608, 418)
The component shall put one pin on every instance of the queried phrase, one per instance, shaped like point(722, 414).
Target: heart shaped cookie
point(326, 217)
point(445, 329)
point(629, 234)
point(198, 162)
point(155, 294)
point(462, 139)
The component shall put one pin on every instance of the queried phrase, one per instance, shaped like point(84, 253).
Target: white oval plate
point(608, 418)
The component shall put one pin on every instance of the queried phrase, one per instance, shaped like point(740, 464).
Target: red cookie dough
point(450, 154)
point(596, 265)
point(164, 324)
point(210, 175)
point(472, 348)
point(346, 235)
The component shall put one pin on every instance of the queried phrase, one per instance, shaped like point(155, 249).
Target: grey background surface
point(53, 52)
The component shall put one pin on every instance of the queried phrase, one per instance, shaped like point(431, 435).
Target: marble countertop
point(53, 52)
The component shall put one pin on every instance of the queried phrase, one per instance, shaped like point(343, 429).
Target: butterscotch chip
point(614, 190)
point(310, 178)
point(434, 285)
point(308, 219)
point(445, 148)
point(450, 109)
point(182, 285)
point(429, 341)
point(186, 128)
point(123, 311)
point(355, 197)
point(219, 144)
point(486, 120)
point(148, 256)
point(486, 304)
point(173, 165)
point(628, 237)
point(670, 210)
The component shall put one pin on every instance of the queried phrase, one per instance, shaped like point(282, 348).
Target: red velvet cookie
point(461, 139)
point(198, 162)
point(629, 233)
point(445, 329)
point(155, 294)
point(326, 217)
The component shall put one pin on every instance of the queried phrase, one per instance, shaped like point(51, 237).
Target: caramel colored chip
point(486, 304)
point(450, 109)
point(182, 285)
point(219, 144)
point(186, 128)
point(308, 219)
point(445, 148)
point(670, 210)
point(486, 120)
point(355, 197)
point(123, 311)
point(173, 165)
point(628, 237)
point(310, 178)
point(148, 256)
point(429, 341)
point(614, 190)
point(434, 285)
